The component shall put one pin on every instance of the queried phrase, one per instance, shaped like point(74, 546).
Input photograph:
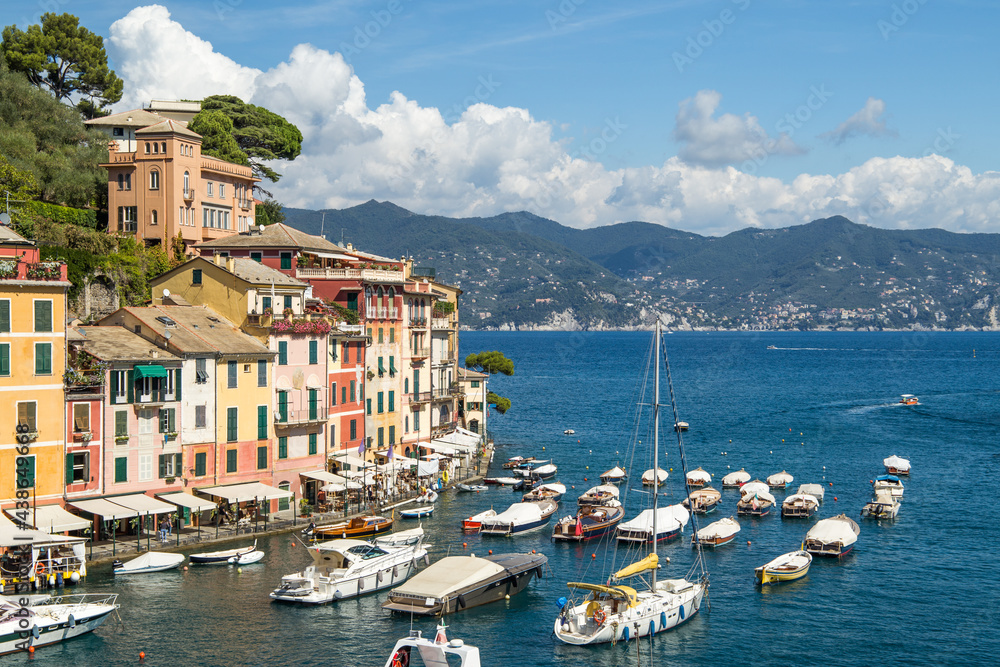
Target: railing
point(13, 269)
point(417, 352)
point(420, 397)
point(122, 158)
point(418, 322)
point(441, 323)
point(444, 428)
point(245, 204)
point(366, 275)
point(188, 194)
point(301, 416)
point(394, 313)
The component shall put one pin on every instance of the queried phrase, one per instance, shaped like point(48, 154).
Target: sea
point(921, 590)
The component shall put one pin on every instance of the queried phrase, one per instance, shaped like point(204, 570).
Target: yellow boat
point(787, 567)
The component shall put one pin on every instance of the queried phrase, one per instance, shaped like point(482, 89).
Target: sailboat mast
point(656, 437)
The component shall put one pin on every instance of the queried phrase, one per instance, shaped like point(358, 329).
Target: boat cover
point(719, 529)
point(814, 490)
point(449, 575)
point(544, 469)
point(650, 562)
point(668, 518)
point(887, 478)
point(614, 473)
point(152, 559)
point(660, 473)
point(897, 462)
point(885, 498)
point(759, 495)
point(751, 488)
point(554, 487)
point(706, 495)
point(699, 475)
point(604, 488)
point(780, 478)
point(738, 477)
point(518, 514)
point(616, 592)
point(837, 530)
point(801, 497)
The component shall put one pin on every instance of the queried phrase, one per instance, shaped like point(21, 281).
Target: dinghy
point(151, 561)
point(786, 567)
point(698, 478)
point(735, 480)
point(475, 522)
point(780, 480)
point(552, 491)
point(718, 533)
point(220, 557)
point(247, 558)
point(519, 518)
point(417, 512)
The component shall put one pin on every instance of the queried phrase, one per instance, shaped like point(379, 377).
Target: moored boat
point(681, 426)
point(151, 561)
point(471, 487)
point(832, 537)
point(515, 461)
point(219, 557)
point(670, 522)
point(502, 481)
point(786, 567)
point(780, 480)
point(551, 491)
point(434, 652)
point(359, 526)
point(247, 558)
point(889, 484)
point(519, 518)
point(735, 479)
point(48, 621)
point(417, 512)
point(909, 399)
point(799, 505)
point(814, 490)
point(475, 522)
point(896, 465)
point(616, 475)
point(599, 495)
point(462, 582)
point(754, 502)
point(654, 477)
point(698, 478)
point(717, 533)
point(543, 470)
point(702, 501)
point(590, 521)
point(882, 506)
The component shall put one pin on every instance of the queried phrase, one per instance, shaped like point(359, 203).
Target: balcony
point(262, 321)
point(418, 322)
point(245, 204)
point(83, 436)
point(364, 275)
point(13, 269)
point(444, 394)
point(420, 352)
point(441, 323)
point(420, 397)
point(83, 383)
point(299, 417)
point(188, 194)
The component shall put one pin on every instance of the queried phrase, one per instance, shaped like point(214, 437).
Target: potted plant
point(305, 509)
point(170, 480)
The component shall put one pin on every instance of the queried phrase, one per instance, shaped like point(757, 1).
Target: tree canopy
point(490, 362)
point(67, 59)
point(253, 135)
point(269, 212)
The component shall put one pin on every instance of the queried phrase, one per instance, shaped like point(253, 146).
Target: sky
point(702, 115)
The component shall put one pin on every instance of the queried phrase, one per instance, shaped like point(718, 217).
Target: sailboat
point(614, 611)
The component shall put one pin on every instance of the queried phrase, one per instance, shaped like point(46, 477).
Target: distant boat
point(754, 501)
point(502, 481)
point(890, 484)
point(519, 518)
point(698, 477)
point(832, 537)
point(515, 461)
point(909, 399)
point(814, 490)
point(780, 480)
point(771, 347)
point(569, 431)
point(599, 495)
point(799, 505)
point(434, 652)
point(717, 533)
point(659, 475)
point(670, 522)
point(702, 501)
point(896, 465)
point(472, 487)
point(551, 491)
point(681, 426)
point(735, 480)
point(219, 557)
point(417, 512)
point(359, 526)
point(475, 522)
point(882, 506)
point(787, 567)
point(616, 475)
point(151, 561)
point(590, 521)
point(247, 558)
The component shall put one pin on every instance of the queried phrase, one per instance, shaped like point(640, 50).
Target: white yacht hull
point(52, 624)
point(655, 612)
point(310, 588)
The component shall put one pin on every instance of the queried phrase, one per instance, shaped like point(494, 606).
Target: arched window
point(152, 217)
point(154, 180)
point(368, 297)
point(164, 147)
point(147, 147)
point(187, 182)
point(121, 181)
point(381, 299)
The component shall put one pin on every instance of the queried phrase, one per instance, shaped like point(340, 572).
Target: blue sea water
point(922, 590)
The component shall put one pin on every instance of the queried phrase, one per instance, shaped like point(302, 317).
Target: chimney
point(217, 258)
point(231, 264)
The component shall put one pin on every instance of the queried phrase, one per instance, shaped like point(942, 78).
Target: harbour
point(827, 416)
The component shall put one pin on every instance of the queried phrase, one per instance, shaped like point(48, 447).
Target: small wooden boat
point(832, 537)
point(151, 561)
point(799, 505)
point(519, 518)
point(654, 478)
point(670, 522)
point(515, 461)
point(247, 558)
point(882, 506)
point(219, 557)
point(359, 526)
point(590, 521)
point(472, 487)
point(702, 501)
point(890, 484)
point(698, 478)
point(717, 533)
point(551, 491)
point(475, 522)
point(616, 475)
point(787, 567)
point(502, 481)
point(814, 490)
point(909, 399)
point(754, 502)
point(417, 512)
point(780, 480)
point(681, 426)
point(896, 465)
point(735, 480)
point(599, 495)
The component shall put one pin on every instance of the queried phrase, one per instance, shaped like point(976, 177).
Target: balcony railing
point(15, 269)
point(300, 416)
point(418, 322)
point(365, 275)
point(420, 352)
point(245, 204)
point(420, 397)
point(188, 194)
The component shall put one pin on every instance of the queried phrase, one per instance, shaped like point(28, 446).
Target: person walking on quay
point(163, 530)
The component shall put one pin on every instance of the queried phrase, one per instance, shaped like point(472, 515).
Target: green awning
point(150, 372)
point(392, 365)
point(381, 368)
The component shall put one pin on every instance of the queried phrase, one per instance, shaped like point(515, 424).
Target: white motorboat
point(219, 557)
point(569, 431)
point(616, 475)
point(475, 522)
point(247, 558)
point(518, 518)
point(537, 470)
point(780, 480)
point(889, 484)
point(472, 487)
point(735, 479)
point(45, 622)
point(670, 522)
point(401, 537)
point(417, 512)
point(654, 478)
point(347, 568)
point(428, 496)
point(896, 465)
point(502, 481)
point(814, 490)
point(599, 495)
point(611, 611)
point(832, 537)
point(717, 533)
point(882, 506)
point(698, 477)
point(439, 652)
point(151, 561)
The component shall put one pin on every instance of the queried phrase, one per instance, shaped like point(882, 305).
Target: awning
point(143, 504)
point(12, 535)
point(239, 493)
point(105, 509)
point(330, 255)
point(323, 476)
point(344, 458)
point(150, 372)
point(194, 503)
point(392, 365)
point(381, 368)
point(443, 448)
point(54, 519)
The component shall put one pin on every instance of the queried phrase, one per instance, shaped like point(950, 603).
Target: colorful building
point(32, 363)
point(473, 410)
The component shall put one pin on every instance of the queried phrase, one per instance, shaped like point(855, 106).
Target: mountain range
point(519, 271)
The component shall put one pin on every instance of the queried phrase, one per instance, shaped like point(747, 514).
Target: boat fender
point(682, 612)
point(652, 627)
point(395, 571)
point(35, 632)
point(561, 602)
point(361, 584)
point(538, 572)
point(337, 594)
point(663, 619)
point(380, 575)
point(72, 621)
point(427, 559)
point(625, 633)
point(461, 601)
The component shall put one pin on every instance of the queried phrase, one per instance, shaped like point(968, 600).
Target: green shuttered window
point(262, 422)
point(232, 424)
point(313, 443)
point(43, 358)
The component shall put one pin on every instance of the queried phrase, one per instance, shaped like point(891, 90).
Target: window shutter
point(313, 352)
point(261, 422)
point(4, 359)
point(178, 464)
point(313, 407)
point(232, 375)
point(392, 401)
point(177, 385)
point(313, 444)
point(283, 353)
point(171, 420)
point(121, 423)
point(69, 469)
point(163, 465)
point(121, 469)
point(261, 372)
point(4, 315)
point(392, 435)
point(43, 316)
point(163, 421)
point(114, 386)
point(231, 424)
point(381, 404)
point(200, 461)
point(130, 381)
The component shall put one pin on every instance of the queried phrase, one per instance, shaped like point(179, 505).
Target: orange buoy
point(464, 544)
point(593, 555)
point(142, 655)
point(748, 542)
point(831, 483)
point(532, 551)
point(585, 479)
point(31, 649)
point(835, 497)
point(491, 552)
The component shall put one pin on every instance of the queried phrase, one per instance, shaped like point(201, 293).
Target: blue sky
point(645, 107)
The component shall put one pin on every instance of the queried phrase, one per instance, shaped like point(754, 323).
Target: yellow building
point(32, 363)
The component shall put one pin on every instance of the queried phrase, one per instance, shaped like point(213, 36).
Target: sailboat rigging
point(613, 611)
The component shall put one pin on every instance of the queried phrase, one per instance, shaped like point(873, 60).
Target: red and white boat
point(475, 522)
point(909, 399)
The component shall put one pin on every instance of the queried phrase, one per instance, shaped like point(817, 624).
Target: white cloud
point(867, 121)
point(492, 159)
point(728, 139)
